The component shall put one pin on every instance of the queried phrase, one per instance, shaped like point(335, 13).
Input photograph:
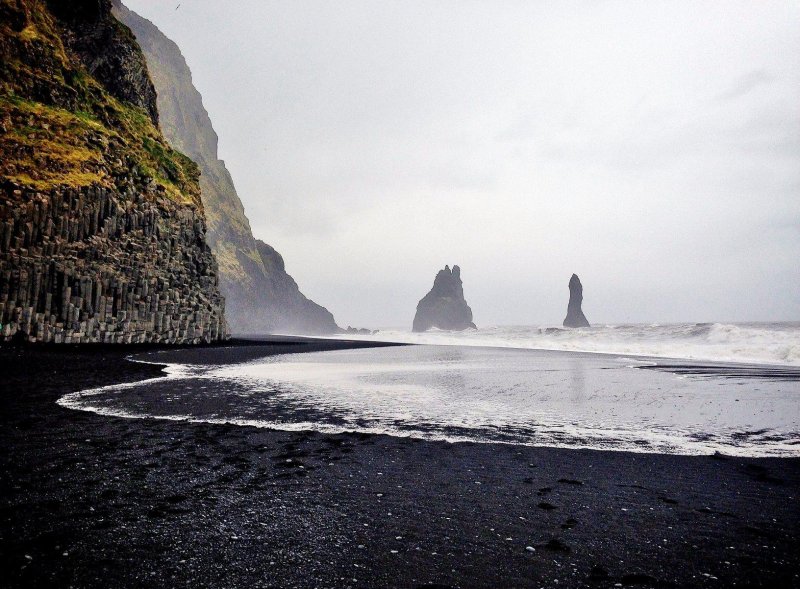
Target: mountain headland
point(261, 297)
point(102, 228)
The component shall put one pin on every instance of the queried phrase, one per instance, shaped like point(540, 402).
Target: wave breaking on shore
point(471, 394)
point(758, 343)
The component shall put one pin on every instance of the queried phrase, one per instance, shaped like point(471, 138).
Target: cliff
point(261, 297)
point(444, 307)
point(102, 232)
point(575, 316)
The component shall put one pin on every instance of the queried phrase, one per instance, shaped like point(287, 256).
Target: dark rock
point(107, 250)
point(358, 331)
point(105, 270)
point(444, 306)
point(281, 303)
point(107, 50)
point(575, 316)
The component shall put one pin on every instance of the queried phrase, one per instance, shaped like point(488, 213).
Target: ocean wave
point(757, 343)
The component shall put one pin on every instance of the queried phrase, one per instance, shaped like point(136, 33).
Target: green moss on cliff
point(61, 127)
point(45, 146)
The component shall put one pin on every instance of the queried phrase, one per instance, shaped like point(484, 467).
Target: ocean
point(681, 389)
point(761, 343)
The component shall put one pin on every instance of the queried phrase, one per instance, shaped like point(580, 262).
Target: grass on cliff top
point(45, 146)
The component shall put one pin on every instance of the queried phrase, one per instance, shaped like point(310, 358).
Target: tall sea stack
point(575, 316)
point(444, 306)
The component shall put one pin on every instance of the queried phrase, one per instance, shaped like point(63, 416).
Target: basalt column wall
point(96, 265)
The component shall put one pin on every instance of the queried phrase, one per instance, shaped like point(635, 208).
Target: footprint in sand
point(598, 573)
point(556, 545)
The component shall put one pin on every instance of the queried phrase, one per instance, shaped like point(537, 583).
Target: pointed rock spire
point(575, 316)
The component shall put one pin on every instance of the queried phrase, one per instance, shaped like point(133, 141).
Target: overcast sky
point(651, 147)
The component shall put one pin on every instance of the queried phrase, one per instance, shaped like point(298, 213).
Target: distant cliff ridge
point(260, 296)
point(444, 307)
point(575, 316)
point(288, 308)
point(102, 233)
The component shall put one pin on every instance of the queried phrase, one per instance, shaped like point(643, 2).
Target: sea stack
point(575, 316)
point(444, 306)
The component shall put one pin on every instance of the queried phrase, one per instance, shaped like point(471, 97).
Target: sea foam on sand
point(467, 393)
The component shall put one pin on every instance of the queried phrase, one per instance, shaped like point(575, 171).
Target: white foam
point(479, 395)
point(773, 344)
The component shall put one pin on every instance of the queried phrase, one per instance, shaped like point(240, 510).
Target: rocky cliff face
point(575, 316)
point(261, 297)
point(444, 306)
point(102, 232)
point(291, 310)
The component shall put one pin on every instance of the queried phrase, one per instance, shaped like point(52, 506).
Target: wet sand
point(93, 501)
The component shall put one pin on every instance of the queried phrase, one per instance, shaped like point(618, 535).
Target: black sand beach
point(93, 501)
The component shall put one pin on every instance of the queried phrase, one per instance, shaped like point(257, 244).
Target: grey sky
point(651, 147)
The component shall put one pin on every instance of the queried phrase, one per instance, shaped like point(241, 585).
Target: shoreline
point(155, 503)
point(182, 367)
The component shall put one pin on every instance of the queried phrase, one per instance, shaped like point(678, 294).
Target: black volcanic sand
point(92, 501)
